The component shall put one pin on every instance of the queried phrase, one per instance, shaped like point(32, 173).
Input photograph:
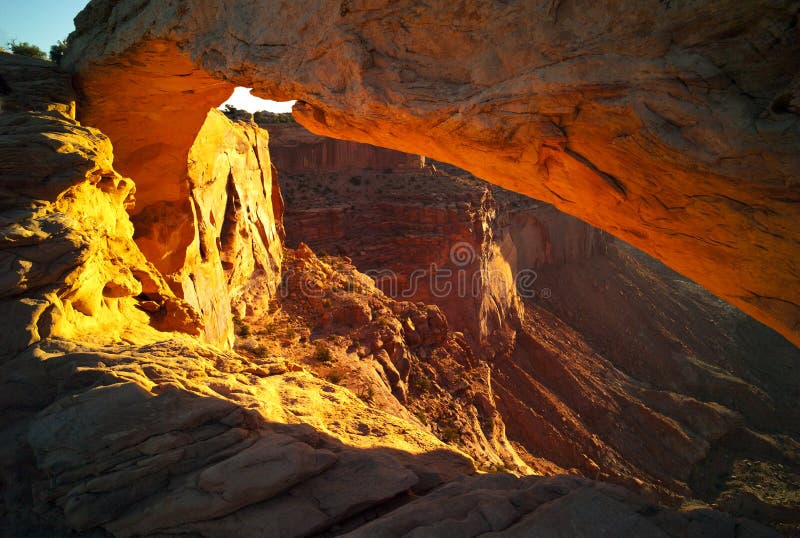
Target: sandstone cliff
point(592, 346)
point(71, 267)
point(672, 125)
point(221, 247)
point(117, 419)
point(300, 151)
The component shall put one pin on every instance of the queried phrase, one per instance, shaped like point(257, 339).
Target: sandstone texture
point(70, 266)
point(117, 418)
point(591, 346)
point(671, 125)
point(125, 413)
point(221, 249)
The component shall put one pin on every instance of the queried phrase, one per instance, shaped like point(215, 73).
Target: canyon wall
point(673, 126)
point(300, 151)
point(117, 418)
point(71, 267)
point(592, 345)
point(223, 251)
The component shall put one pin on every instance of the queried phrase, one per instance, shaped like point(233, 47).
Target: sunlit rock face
point(674, 126)
point(117, 419)
point(71, 267)
point(233, 226)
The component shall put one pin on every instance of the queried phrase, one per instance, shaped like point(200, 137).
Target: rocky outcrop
point(672, 126)
point(397, 356)
point(224, 251)
point(70, 266)
point(435, 237)
point(496, 505)
point(175, 436)
point(595, 345)
point(117, 419)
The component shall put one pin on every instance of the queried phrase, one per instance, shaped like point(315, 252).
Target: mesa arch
point(671, 124)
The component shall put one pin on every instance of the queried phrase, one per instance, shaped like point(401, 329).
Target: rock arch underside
point(672, 125)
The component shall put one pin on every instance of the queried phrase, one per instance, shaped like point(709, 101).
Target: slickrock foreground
point(672, 125)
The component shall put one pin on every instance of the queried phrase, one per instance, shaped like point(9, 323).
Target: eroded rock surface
point(70, 266)
point(672, 125)
point(220, 248)
point(118, 419)
point(590, 344)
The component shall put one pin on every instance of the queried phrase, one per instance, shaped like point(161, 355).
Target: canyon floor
point(219, 359)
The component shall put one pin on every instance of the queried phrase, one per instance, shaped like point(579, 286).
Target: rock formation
point(71, 267)
point(224, 249)
point(300, 151)
point(126, 412)
point(672, 125)
point(117, 418)
point(590, 349)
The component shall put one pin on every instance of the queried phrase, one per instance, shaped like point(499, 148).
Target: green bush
point(27, 49)
point(322, 353)
point(267, 118)
point(423, 384)
point(335, 376)
point(449, 433)
point(57, 51)
point(240, 327)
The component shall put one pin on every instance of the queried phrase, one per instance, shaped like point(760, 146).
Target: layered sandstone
point(300, 151)
point(592, 346)
point(225, 250)
point(117, 419)
point(674, 126)
point(71, 267)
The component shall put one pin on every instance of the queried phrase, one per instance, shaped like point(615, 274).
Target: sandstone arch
point(675, 125)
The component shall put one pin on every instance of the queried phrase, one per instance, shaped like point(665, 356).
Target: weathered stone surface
point(499, 505)
point(68, 256)
point(70, 266)
point(671, 125)
point(115, 420)
point(602, 346)
point(299, 151)
point(400, 357)
point(223, 250)
point(178, 436)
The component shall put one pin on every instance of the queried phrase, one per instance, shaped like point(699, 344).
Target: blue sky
point(43, 22)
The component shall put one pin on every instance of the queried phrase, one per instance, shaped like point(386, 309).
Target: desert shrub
point(27, 49)
point(57, 51)
point(240, 327)
point(335, 376)
point(258, 350)
point(449, 433)
point(322, 353)
point(266, 117)
point(366, 393)
point(423, 384)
